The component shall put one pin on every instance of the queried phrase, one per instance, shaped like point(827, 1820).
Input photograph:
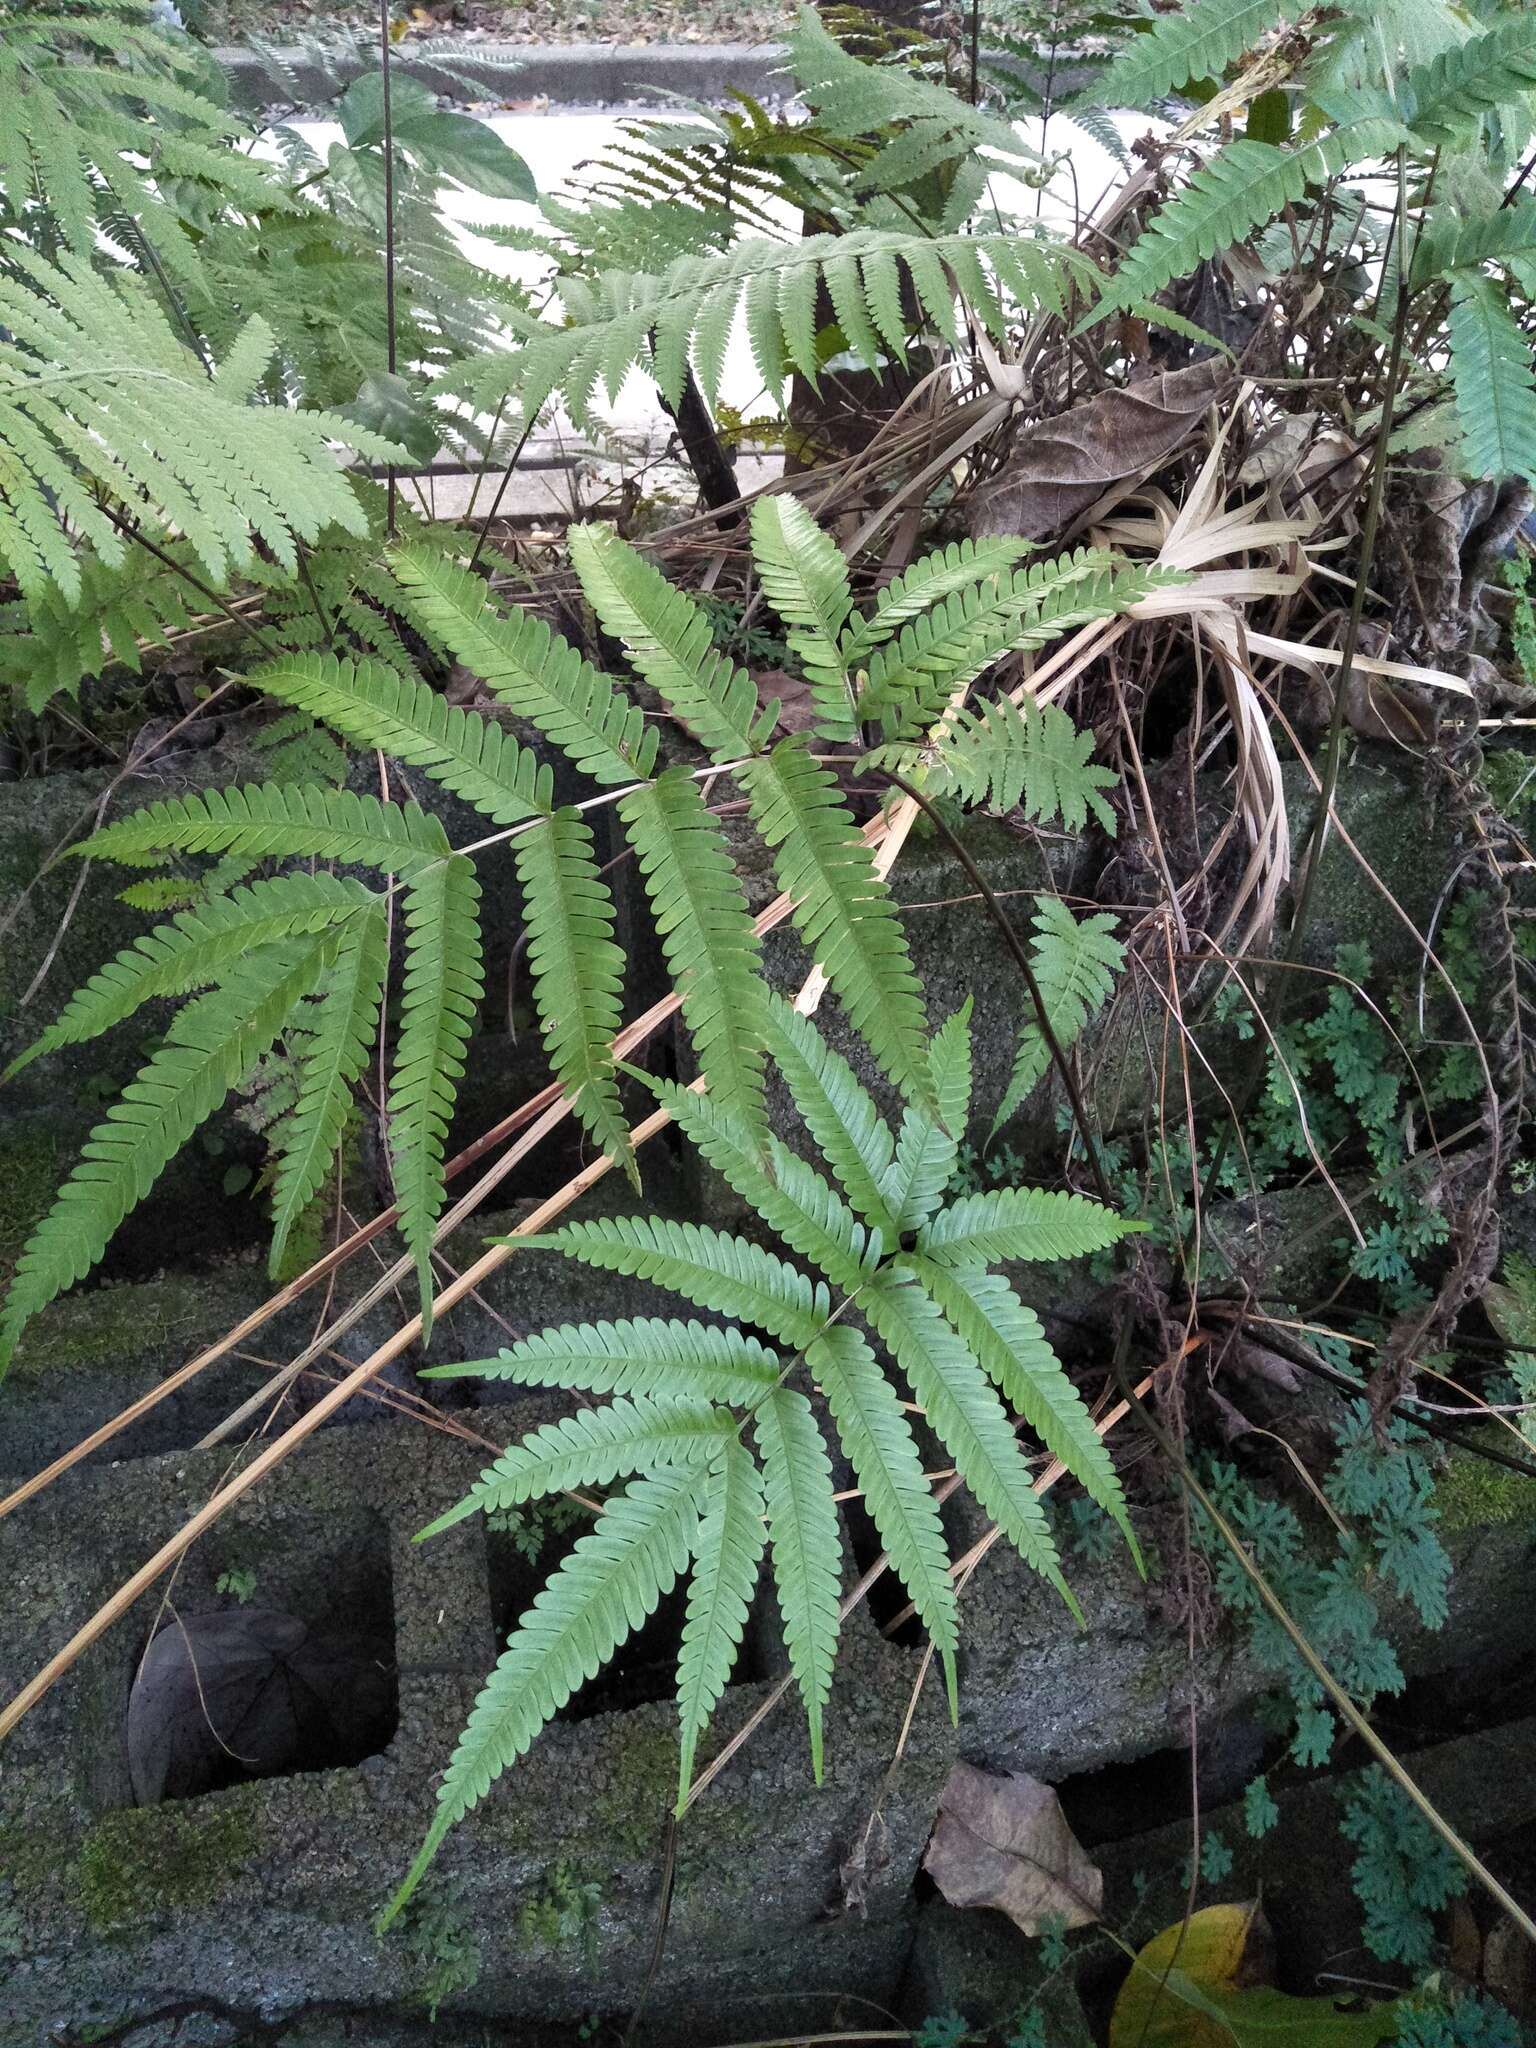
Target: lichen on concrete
point(137, 1865)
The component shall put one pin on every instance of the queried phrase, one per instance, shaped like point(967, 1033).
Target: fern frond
point(1506, 236)
point(712, 952)
point(267, 822)
point(195, 948)
point(663, 323)
point(791, 1197)
point(1005, 1336)
point(1197, 43)
point(343, 1024)
point(578, 973)
point(134, 417)
point(1493, 380)
point(707, 1267)
point(966, 1414)
point(960, 566)
point(1019, 1223)
point(120, 611)
point(372, 706)
point(1075, 962)
point(805, 579)
point(910, 680)
point(592, 1448)
point(643, 1355)
point(1466, 82)
point(842, 908)
point(210, 1045)
point(1031, 757)
point(613, 1580)
point(806, 1538)
point(837, 1110)
point(883, 1453)
point(533, 671)
point(668, 638)
point(727, 1556)
point(927, 1147)
point(439, 1002)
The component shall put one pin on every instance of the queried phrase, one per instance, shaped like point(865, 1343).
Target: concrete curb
point(566, 74)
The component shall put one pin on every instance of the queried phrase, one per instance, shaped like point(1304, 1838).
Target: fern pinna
point(318, 944)
point(710, 1427)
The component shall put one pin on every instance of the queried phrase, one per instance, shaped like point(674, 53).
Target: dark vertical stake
point(389, 230)
point(975, 50)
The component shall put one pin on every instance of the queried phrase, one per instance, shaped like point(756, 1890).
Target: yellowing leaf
point(1199, 1985)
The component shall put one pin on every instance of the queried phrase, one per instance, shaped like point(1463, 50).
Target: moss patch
point(33, 1170)
point(1474, 1494)
point(134, 1865)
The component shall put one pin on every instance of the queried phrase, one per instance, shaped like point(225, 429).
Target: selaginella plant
point(301, 957)
point(890, 1291)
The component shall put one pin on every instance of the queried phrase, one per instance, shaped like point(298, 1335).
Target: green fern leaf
point(371, 706)
point(533, 671)
point(268, 822)
point(791, 1197)
point(880, 1446)
point(615, 1577)
point(1199, 42)
point(343, 1024)
point(707, 1267)
point(805, 579)
point(962, 565)
point(728, 1554)
point(1006, 1338)
point(712, 952)
point(1465, 83)
point(578, 974)
point(668, 639)
point(1494, 382)
point(1075, 962)
point(439, 1002)
point(807, 1547)
point(1507, 236)
point(927, 1147)
point(842, 909)
point(1032, 758)
point(594, 1447)
point(210, 1046)
point(1019, 1223)
point(967, 1415)
point(195, 948)
point(838, 1111)
point(645, 1355)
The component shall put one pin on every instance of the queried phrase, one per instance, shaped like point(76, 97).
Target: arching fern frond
point(341, 1025)
point(962, 565)
point(533, 671)
point(807, 1546)
point(578, 973)
point(372, 706)
point(132, 418)
point(1198, 42)
point(615, 1577)
point(210, 1046)
point(195, 948)
point(805, 579)
point(1029, 757)
point(1019, 1223)
point(642, 1355)
point(1075, 962)
point(270, 822)
point(712, 952)
point(838, 1111)
point(728, 1548)
point(594, 1447)
point(842, 909)
point(928, 1144)
point(668, 638)
point(708, 1267)
point(441, 996)
point(880, 1445)
point(1493, 379)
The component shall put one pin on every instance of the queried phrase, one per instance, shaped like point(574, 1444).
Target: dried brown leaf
point(1004, 1842)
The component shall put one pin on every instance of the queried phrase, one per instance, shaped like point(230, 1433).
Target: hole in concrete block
point(277, 1658)
point(1124, 1799)
point(887, 1597)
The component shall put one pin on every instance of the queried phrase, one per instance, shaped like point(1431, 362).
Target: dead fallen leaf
point(1059, 468)
point(1004, 1842)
